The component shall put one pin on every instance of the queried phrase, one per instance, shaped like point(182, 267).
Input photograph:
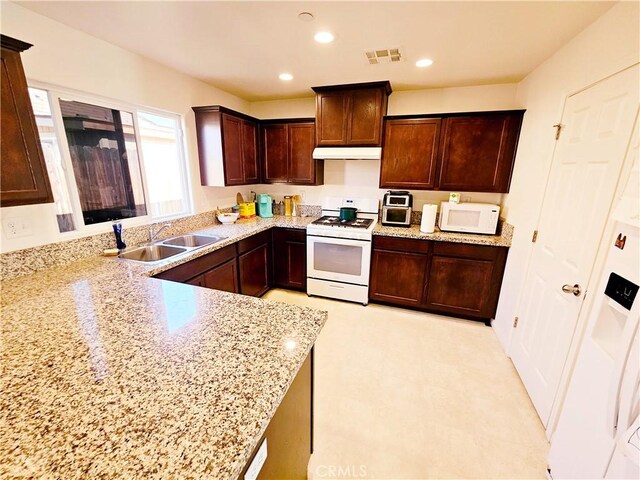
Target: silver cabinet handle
point(575, 289)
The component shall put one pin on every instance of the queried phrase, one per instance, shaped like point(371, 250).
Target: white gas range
point(339, 252)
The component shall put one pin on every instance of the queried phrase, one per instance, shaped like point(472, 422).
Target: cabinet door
point(398, 277)
point(223, 277)
point(302, 166)
point(275, 151)
point(409, 156)
point(197, 281)
point(24, 174)
point(254, 271)
point(365, 117)
point(290, 259)
point(477, 152)
point(331, 118)
point(251, 170)
point(232, 150)
point(465, 280)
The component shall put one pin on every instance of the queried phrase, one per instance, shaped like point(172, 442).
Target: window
point(53, 159)
point(104, 157)
point(120, 163)
point(159, 136)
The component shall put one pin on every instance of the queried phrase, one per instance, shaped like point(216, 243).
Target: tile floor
point(408, 395)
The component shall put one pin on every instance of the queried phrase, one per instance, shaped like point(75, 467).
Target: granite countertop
point(503, 239)
point(109, 373)
point(232, 232)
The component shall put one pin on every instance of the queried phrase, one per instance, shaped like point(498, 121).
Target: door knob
point(575, 289)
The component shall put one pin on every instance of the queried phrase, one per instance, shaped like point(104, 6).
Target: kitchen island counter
point(109, 373)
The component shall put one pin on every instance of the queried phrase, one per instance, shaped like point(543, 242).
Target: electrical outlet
point(303, 197)
point(16, 227)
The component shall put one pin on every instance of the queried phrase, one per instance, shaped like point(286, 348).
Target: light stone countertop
point(503, 239)
point(107, 372)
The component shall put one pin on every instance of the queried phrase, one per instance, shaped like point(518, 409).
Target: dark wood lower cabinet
point(465, 280)
point(223, 277)
point(451, 278)
point(290, 258)
point(398, 270)
point(289, 434)
point(253, 267)
point(456, 279)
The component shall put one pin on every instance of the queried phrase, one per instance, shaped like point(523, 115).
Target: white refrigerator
point(597, 433)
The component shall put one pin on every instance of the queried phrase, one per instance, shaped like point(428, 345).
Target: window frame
point(54, 94)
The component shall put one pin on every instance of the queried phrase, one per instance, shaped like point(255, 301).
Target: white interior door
point(586, 167)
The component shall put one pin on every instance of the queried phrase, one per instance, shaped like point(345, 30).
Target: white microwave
point(469, 217)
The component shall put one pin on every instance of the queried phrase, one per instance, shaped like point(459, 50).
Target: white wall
point(361, 177)
point(71, 59)
point(607, 46)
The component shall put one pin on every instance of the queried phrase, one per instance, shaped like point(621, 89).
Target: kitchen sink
point(152, 253)
point(192, 240)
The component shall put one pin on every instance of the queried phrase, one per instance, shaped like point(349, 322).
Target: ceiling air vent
point(384, 55)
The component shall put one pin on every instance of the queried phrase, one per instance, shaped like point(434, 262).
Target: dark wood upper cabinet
point(303, 169)
point(331, 118)
point(289, 258)
point(470, 152)
point(227, 147)
point(275, 150)
point(477, 151)
point(409, 153)
point(23, 172)
point(351, 115)
point(250, 158)
point(367, 109)
point(287, 153)
point(232, 150)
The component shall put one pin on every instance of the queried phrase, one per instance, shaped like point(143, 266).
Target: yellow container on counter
point(288, 205)
point(247, 210)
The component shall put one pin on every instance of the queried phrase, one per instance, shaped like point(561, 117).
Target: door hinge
point(515, 322)
point(558, 127)
point(535, 236)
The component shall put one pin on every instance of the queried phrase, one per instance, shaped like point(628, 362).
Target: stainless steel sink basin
point(151, 253)
point(193, 240)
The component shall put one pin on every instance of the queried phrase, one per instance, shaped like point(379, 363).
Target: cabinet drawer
point(291, 234)
point(195, 267)
point(254, 241)
point(409, 245)
point(464, 250)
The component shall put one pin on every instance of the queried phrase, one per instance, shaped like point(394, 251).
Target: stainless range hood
point(347, 153)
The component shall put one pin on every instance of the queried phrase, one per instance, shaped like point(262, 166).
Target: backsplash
point(30, 260)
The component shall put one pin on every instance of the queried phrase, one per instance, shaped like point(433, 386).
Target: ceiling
point(242, 47)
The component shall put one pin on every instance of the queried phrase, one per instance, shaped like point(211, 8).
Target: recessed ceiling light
point(324, 37)
point(285, 76)
point(425, 62)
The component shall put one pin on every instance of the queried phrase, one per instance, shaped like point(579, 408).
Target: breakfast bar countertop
point(109, 373)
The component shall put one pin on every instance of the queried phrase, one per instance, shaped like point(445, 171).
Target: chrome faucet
point(154, 235)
